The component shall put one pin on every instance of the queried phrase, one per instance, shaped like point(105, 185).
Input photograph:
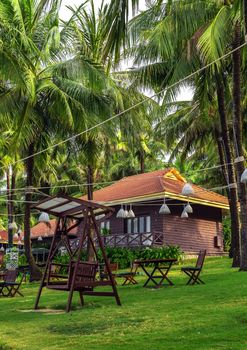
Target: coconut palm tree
point(172, 39)
point(41, 90)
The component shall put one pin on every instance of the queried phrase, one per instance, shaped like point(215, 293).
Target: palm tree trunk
point(35, 273)
point(9, 208)
point(233, 196)
point(238, 128)
point(90, 180)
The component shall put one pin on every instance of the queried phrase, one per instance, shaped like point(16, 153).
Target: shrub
point(125, 256)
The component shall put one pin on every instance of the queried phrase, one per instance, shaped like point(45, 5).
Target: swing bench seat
point(84, 277)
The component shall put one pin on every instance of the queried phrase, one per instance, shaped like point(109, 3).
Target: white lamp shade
point(131, 214)
point(188, 208)
point(187, 190)
point(44, 217)
point(243, 178)
point(126, 213)
point(2, 249)
point(15, 236)
point(40, 238)
point(120, 213)
point(164, 209)
point(184, 214)
point(13, 226)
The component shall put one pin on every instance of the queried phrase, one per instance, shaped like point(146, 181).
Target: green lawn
point(210, 316)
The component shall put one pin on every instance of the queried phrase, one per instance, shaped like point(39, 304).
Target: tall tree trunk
point(35, 273)
point(233, 200)
point(238, 138)
point(234, 214)
point(90, 180)
point(9, 208)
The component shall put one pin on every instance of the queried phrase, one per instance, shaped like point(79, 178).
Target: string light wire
point(132, 107)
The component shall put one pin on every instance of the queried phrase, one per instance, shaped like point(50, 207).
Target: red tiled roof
point(4, 237)
point(44, 230)
point(152, 183)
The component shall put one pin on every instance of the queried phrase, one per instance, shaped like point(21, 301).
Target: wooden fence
point(130, 240)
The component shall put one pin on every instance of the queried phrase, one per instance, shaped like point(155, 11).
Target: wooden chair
point(104, 274)
point(9, 287)
point(129, 277)
point(194, 271)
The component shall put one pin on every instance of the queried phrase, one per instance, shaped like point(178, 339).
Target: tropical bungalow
point(151, 209)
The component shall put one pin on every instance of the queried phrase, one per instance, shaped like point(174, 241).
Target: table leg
point(150, 276)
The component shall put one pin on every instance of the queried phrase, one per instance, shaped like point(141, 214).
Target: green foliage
point(227, 233)
point(125, 256)
point(105, 231)
point(62, 259)
point(22, 260)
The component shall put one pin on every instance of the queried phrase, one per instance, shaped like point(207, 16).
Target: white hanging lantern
point(16, 236)
point(131, 214)
point(40, 239)
point(188, 208)
point(121, 212)
point(44, 217)
point(243, 178)
point(19, 232)
point(13, 226)
point(164, 209)
point(184, 214)
point(126, 212)
point(2, 249)
point(187, 190)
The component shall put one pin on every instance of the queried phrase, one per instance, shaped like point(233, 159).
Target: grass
point(210, 316)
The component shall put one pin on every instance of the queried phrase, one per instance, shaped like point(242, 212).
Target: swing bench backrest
point(84, 276)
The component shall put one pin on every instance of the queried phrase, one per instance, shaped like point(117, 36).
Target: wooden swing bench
point(76, 276)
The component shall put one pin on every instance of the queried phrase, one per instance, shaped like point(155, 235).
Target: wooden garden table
point(161, 268)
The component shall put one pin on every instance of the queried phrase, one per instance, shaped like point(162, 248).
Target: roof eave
point(171, 195)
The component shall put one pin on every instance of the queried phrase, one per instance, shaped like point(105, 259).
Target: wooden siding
point(192, 234)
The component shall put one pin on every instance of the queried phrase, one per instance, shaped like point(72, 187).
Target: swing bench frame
point(81, 275)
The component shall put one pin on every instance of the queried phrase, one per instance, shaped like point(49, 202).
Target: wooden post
point(105, 259)
point(83, 236)
point(47, 264)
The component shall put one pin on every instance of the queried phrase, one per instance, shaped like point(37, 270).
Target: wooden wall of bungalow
point(202, 230)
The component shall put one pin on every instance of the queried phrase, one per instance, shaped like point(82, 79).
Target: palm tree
point(39, 91)
point(175, 38)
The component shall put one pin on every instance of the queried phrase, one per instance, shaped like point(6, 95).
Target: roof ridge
point(147, 173)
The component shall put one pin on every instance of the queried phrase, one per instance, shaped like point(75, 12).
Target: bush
point(22, 260)
point(125, 256)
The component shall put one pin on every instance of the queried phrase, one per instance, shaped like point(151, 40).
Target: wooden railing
point(130, 240)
